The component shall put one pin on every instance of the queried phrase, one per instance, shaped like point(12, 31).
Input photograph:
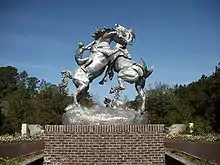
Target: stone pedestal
point(99, 115)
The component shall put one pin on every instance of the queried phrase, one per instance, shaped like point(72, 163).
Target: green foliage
point(203, 96)
point(49, 105)
point(13, 139)
point(201, 126)
point(8, 80)
point(165, 107)
point(197, 102)
point(25, 99)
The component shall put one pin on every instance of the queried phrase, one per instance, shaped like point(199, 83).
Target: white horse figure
point(129, 71)
point(100, 51)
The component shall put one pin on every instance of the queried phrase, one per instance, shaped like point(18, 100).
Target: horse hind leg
point(62, 86)
point(139, 86)
point(128, 75)
point(121, 84)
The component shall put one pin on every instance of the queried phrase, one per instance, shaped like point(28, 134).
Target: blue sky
point(180, 38)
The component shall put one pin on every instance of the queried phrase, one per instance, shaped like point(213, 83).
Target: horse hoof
point(76, 104)
point(141, 112)
point(101, 82)
point(121, 88)
point(111, 90)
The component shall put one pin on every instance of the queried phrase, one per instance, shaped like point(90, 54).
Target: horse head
point(122, 35)
point(126, 35)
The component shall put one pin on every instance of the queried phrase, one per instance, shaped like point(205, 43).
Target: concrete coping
point(105, 128)
point(32, 159)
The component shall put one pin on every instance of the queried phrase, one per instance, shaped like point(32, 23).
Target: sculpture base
point(99, 115)
point(104, 144)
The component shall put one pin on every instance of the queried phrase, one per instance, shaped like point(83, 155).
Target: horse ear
point(133, 33)
point(152, 67)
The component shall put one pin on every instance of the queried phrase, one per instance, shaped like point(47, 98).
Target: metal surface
point(118, 59)
point(94, 65)
point(128, 71)
point(100, 115)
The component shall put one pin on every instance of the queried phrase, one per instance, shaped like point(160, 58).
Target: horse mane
point(100, 32)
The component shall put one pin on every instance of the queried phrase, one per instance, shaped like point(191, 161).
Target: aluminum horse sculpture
point(128, 71)
point(100, 52)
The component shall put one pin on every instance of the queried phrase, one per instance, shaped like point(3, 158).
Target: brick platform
point(104, 144)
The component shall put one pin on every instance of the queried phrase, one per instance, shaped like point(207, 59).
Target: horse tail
point(147, 72)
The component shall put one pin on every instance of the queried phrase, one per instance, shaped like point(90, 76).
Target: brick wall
point(104, 144)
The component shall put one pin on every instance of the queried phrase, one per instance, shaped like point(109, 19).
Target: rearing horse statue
point(129, 71)
point(100, 52)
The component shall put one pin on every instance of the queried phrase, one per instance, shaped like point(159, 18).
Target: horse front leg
point(104, 79)
point(109, 72)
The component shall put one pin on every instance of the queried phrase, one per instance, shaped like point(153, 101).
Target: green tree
point(203, 96)
point(8, 84)
point(166, 108)
point(17, 105)
point(49, 105)
point(8, 80)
